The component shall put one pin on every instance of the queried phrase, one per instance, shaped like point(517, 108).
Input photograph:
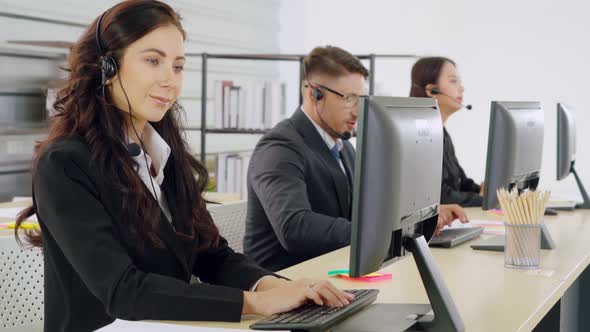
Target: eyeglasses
point(351, 100)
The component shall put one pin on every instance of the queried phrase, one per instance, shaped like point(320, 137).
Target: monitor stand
point(586, 203)
point(496, 243)
point(412, 317)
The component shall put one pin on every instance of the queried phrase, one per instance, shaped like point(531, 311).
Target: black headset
point(109, 69)
point(317, 93)
point(436, 91)
point(108, 64)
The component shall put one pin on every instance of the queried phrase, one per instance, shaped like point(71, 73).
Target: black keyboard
point(312, 317)
point(451, 237)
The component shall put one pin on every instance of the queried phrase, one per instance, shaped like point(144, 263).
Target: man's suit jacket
point(94, 272)
point(299, 198)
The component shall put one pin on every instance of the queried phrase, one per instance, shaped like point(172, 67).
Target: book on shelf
point(231, 173)
point(248, 104)
point(234, 107)
point(221, 103)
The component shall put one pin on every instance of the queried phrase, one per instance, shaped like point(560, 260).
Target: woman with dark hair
point(438, 78)
point(118, 195)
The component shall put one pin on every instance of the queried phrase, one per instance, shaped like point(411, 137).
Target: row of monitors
point(397, 181)
point(515, 146)
point(398, 168)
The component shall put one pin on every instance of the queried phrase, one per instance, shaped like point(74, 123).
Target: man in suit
point(300, 174)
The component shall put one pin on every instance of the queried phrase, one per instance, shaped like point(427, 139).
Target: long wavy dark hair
point(82, 112)
point(426, 71)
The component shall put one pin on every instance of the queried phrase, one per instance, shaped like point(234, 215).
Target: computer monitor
point(566, 149)
point(515, 148)
point(396, 193)
point(515, 152)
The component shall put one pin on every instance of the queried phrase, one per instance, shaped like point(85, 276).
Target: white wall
point(505, 50)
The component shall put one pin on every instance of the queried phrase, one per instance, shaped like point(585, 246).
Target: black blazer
point(299, 199)
point(456, 187)
point(93, 271)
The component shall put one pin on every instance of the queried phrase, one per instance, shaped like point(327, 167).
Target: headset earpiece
point(317, 94)
point(108, 67)
point(108, 64)
point(435, 91)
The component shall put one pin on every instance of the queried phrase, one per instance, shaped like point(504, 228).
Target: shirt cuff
point(253, 288)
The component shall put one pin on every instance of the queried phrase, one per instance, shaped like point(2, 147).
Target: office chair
point(21, 287)
point(231, 220)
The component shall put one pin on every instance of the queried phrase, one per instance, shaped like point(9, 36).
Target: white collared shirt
point(329, 140)
point(158, 154)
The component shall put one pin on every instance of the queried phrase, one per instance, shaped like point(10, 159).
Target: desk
point(489, 296)
point(10, 232)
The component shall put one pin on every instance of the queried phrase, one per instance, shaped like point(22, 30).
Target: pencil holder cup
point(523, 246)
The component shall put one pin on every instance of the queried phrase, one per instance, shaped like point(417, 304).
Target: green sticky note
point(336, 272)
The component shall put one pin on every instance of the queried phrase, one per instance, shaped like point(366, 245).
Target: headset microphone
point(133, 149)
point(436, 91)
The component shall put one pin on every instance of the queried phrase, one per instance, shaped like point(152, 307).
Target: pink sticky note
point(373, 277)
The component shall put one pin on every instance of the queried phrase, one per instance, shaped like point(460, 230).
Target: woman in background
point(438, 77)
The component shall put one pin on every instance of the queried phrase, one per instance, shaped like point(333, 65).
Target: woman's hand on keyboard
point(293, 295)
point(330, 295)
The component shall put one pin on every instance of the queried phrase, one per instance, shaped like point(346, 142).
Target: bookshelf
point(235, 161)
point(34, 50)
point(25, 69)
point(205, 57)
